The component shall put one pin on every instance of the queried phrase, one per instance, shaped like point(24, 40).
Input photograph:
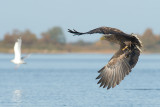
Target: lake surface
point(68, 80)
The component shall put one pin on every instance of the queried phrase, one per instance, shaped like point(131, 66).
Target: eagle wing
point(110, 31)
point(117, 68)
point(101, 30)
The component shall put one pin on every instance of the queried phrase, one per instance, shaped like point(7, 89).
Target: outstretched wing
point(17, 49)
point(101, 30)
point(117, 68)
point(113, 31)
point(24, 57)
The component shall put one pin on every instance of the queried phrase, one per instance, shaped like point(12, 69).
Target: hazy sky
point(130, 16)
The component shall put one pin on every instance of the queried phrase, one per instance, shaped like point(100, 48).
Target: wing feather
point(133, 58)
point(17, 49)
point(117, 68)
point(24, 57)
point(117, 74)
point(100, 30)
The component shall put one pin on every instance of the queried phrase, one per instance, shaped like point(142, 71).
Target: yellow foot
point(126, 47)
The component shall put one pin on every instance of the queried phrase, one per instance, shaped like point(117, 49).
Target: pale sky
point(130, 16)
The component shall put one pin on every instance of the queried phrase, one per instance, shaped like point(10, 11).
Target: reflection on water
point(58, 80)
point(16, 98)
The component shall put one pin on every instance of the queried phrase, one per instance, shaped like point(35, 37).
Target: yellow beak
point(102, 38)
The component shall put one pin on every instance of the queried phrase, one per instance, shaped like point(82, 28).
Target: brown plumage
point(122, 61)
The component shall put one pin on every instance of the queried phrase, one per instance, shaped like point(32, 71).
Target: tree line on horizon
point(53, 40)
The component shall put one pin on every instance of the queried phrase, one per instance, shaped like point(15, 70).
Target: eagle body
point(122, 61)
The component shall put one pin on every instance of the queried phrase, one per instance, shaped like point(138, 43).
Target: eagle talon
point(126, 47)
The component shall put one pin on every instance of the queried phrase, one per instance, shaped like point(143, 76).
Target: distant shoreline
point(67, 52)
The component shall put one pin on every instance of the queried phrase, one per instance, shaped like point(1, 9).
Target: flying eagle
point(122, 61)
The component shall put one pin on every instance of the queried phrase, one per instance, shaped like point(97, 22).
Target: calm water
point(58, 80)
